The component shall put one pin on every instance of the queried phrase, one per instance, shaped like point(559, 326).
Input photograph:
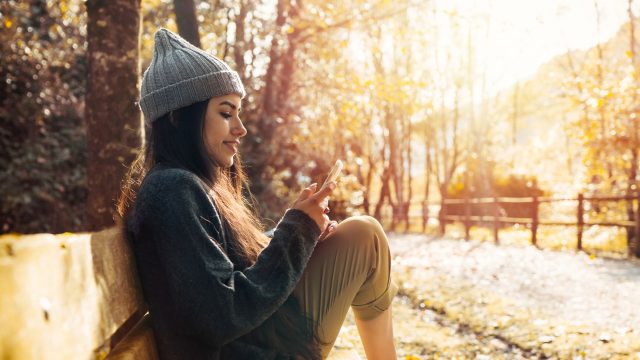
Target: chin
point(226, 163)
point(223, 161)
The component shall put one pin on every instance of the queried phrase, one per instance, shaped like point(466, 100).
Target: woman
point(215, 285)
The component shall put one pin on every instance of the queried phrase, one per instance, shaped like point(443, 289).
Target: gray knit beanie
point(180, 74)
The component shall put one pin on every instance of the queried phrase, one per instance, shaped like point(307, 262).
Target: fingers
point(328, 230)
point(324, 191)
point(304, 195)
point(312, 203)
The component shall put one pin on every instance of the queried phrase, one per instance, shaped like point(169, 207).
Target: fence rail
point(497, 219)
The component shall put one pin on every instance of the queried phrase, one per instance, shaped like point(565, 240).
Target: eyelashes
point(228, 115)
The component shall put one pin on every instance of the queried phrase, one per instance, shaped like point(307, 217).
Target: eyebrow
point(226, 102)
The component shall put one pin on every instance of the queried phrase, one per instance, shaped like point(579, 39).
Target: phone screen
point(333, 174)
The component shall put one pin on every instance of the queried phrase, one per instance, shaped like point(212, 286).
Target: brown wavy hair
point(177, 139)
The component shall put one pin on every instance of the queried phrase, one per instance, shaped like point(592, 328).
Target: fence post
point(496, 220)
point(425, 215)
point(580, 219)
point(534, 221)
point(636, 241)
point(443, 213)
point(405, 215)
point(467, 213)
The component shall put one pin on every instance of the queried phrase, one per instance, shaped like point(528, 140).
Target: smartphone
point(333, 174)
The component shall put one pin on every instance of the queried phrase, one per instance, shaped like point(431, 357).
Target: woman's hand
point(313, 204)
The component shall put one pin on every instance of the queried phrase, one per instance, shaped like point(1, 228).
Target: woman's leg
point(351, 268)
point(377, 336)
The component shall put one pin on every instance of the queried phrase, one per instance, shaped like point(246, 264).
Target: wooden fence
point(533, 221)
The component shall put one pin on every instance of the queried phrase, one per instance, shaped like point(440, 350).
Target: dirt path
point(474, 300)
point(426, 334)
point(594, 291)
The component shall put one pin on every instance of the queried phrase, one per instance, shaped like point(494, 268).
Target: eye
point(225, 115)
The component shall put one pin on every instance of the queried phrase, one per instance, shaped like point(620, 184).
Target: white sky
point(524, 34)
point(511, 38)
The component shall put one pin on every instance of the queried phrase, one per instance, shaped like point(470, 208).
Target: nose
point(238, 128)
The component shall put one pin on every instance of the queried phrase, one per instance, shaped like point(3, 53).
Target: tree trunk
point(396, 165)
point(113, 119)
point(384, 194)
point(187, 21)
point(604, 127)
point(427, 184)
point(270, 87)
point(265, 124)
point(632, 235)
point(409, 177)
point(367, 185)
point(443, 209)
point(239, 45)
point(514, 116)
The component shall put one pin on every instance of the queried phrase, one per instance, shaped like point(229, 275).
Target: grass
point(527, 328)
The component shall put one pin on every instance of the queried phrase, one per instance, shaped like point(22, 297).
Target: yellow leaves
point(101, 355)
point(63, 8)
point(8, 23)
point(346, 106)
point(596, 103)
point(411, 357)
point(457, 187)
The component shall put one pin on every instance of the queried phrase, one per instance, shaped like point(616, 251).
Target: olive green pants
point(350, 268)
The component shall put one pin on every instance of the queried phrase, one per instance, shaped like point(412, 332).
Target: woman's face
point(223, 129)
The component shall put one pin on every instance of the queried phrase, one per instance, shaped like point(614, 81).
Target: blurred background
point(529, 106)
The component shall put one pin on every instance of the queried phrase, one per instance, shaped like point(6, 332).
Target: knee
point(365, 230)
point(365, 223)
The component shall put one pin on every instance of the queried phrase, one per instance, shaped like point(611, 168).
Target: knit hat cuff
point(190, 91)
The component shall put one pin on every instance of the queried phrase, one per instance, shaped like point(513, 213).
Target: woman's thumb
point(308, 191)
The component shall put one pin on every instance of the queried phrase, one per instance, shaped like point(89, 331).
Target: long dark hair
point(176, 139)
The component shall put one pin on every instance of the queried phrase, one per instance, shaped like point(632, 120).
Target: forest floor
point(475, 300)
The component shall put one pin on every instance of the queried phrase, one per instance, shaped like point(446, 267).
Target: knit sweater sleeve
point(215, 302)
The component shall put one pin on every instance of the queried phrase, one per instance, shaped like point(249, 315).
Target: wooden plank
point(619, 223)
point(556, 223)
point(139, 344)
point(516, 200)
point(454, 201)
point(608, 198)
point(64, 296)
point(549, 199)
point(514, 220)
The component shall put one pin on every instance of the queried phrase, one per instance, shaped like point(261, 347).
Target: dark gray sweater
point(201, 301)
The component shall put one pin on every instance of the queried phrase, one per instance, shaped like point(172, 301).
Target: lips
point(233, 145)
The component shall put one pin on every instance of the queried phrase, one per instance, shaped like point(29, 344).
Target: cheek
point(209, 129)
point(212, 143)
point(214, 133)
